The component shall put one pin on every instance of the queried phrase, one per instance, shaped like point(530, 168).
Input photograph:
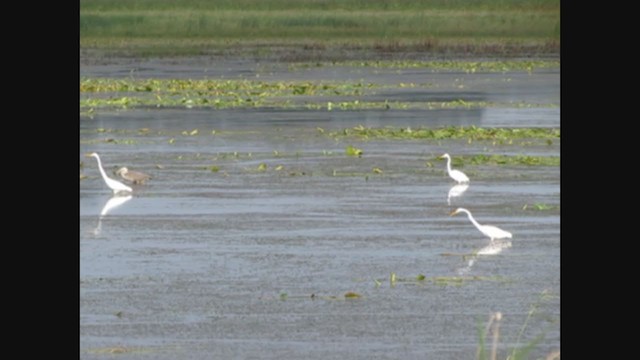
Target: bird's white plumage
point(114, 185)
point(488, 230)
point(456, 175)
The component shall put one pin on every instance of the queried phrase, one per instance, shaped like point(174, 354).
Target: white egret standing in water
point(115, 185)
point(488, 230)
point(456, 175)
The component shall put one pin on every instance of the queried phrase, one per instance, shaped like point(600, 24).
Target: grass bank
point(279, 27)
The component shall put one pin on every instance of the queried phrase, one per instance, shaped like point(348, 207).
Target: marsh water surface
point(252, 230)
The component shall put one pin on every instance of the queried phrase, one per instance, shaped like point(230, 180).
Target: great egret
point(488, 230)
point(135, 177)
point(456, 175)
point(115, 185)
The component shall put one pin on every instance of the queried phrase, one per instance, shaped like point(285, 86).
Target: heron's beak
point(88, 154)
point(452, 213)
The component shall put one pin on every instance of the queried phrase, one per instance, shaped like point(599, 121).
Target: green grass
point(353, 5)
point(194, 26)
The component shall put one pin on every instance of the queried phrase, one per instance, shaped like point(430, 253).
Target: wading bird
point(456, 175)
point(135, 177)
point(488, 230)
point(114, 185)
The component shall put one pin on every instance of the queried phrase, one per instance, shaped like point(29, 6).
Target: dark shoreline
point(323, 53)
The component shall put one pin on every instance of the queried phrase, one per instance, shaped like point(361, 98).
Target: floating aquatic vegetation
point(98, 93)
point(352, 295)
point(451, 132)
point(352, 151)
point(421, 279)
point(513, 160)
point(193, 132)
point(441, 66)
point(539, 207)
point(347, 296)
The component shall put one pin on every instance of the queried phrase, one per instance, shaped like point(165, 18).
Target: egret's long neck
point(473, 221)
point(449, 165)
point(104, 175)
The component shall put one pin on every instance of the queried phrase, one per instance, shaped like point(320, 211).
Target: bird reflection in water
point(111, 204)
point(455, 191)
point(494, 248)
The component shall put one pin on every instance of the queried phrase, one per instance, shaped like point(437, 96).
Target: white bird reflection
point(494, 248)
point(111, 204)
point(455, 191)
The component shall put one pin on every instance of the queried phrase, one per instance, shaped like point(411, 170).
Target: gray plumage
point(135, 177)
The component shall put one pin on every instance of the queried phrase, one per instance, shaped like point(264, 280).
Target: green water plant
point(349, 295)
point(481, 159)
point(348, 95)
point(352, 295)
point(538, 207)
point(467, 66)
point(449, 132)
point(352, 151)
point(421, 279)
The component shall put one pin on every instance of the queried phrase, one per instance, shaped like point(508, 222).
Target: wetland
point(301, 210)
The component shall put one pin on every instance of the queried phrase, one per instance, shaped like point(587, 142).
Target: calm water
point(249, 263)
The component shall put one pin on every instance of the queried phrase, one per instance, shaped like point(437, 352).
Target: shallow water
point(243, 263)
